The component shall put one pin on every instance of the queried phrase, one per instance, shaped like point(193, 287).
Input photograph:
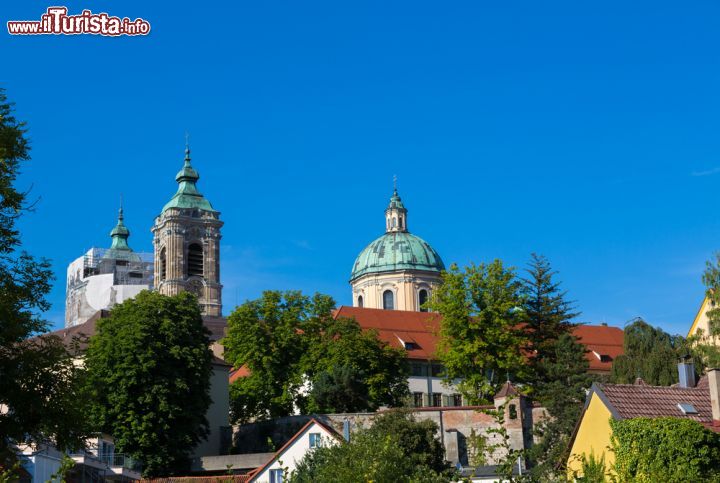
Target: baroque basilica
point(397, 271)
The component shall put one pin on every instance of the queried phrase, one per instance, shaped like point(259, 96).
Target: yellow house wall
point(593, 435)
point(701, 319)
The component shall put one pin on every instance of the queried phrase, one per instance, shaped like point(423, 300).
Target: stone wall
point(456, 426)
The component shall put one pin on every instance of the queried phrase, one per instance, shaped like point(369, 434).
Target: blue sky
point(584, 131)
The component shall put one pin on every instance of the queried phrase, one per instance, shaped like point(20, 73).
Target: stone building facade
point(186, 240)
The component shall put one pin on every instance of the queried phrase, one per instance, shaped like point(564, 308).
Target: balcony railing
point(113, 460)
point(120, 460)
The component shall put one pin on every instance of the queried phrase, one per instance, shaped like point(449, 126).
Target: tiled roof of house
point(414, 331)
point(201, 479)
point(76, 338)
point(626, 401)
point(604, 344)
point(421, 329)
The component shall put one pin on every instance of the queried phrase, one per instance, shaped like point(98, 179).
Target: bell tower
point(186, 239)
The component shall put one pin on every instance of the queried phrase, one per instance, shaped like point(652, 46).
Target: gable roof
point(396, 327)
point(421, 329)
point(77, 337)
point(291, 441)
point(627, 401)
point(604, 344)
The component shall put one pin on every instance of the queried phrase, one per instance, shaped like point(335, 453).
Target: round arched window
point(388, 300)
point(422, 299)
point(360, 301)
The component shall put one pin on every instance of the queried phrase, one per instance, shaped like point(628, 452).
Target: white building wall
point(294, 453)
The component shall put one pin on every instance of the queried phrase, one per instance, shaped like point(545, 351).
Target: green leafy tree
point(39, 385)
point(149, 367)
point(395, 449)
point(650, 353)
point(546, 313)
point(664, 449)
point(382, 369)
point(286, 340)
point(562, 393)
point(342, 389)
point(269, 337)
point(480, 338)
point(705, 347)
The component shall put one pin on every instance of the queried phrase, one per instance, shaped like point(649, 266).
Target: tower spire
point(395, 213)
point(120, 233)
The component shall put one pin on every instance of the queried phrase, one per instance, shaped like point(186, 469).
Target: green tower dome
point(397, 249)
point(120, 250)
point(187, 195)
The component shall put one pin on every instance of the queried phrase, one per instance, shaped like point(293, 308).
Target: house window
point(195, 260)
point(456, 399)
point(360, 301)
point(512, 410)
point(437, 370)
point(417, 399)
point(422, 299)
point(436, 400)
point(163, 265)
point(388, 300)
point(315, 440)
point(276, 476)
point(418, 369)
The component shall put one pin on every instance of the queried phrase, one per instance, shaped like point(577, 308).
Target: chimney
point(713, 375)
point(686, 373)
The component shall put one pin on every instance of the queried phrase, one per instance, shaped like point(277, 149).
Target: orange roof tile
point(420, 329)
point(604, 344)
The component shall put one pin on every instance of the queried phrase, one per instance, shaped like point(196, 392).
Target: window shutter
point(426, 400)
point(446, 400)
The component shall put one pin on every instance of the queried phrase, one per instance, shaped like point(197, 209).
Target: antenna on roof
point(394, 182)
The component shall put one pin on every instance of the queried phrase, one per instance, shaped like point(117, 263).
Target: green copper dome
point(397, 251)
point(120, 250)
point(187, 195)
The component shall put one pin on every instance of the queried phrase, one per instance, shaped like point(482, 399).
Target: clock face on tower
point(195, 287)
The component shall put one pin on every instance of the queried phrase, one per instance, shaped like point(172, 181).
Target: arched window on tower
point(400, 223)
point(388, 300)
point(422, 299)
point(163, 264)
point(195, 260)
point(360, 301)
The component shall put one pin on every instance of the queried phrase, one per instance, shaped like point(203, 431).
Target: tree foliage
point(480, 338)
point(380, 368)
point(562, 393)
point(704, 346)
point(149, 368)
point(395, 449)
point(650, 353)
point(546, 314)
point(39, 385)
point(288, 341)
point(664, 449)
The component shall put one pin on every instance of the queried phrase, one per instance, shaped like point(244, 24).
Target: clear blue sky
point(584, 131)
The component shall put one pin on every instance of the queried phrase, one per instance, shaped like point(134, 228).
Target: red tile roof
point(627, 401)
point(604, 343)
point(201, 479)
point(396, 327)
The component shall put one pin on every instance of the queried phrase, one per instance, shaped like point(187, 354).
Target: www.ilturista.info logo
point(57, 22)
